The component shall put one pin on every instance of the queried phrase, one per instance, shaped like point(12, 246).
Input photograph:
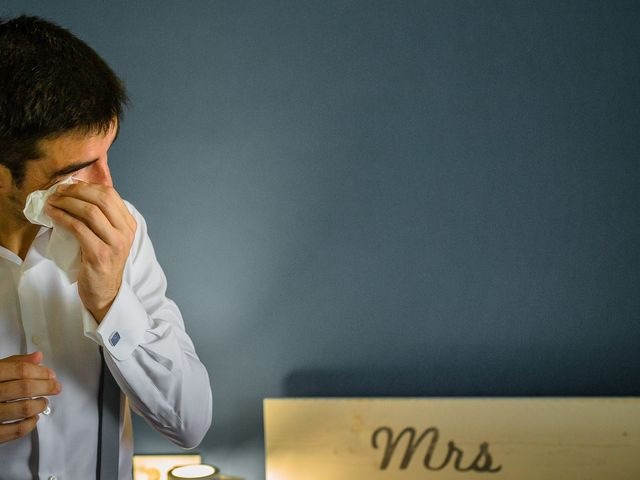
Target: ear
point(6, 180)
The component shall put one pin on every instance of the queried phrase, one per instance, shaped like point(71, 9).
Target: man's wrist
point(100, 313)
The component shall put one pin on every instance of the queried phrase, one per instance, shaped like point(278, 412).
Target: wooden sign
point(453, 439)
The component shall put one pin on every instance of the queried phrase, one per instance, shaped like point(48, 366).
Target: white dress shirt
point(154, 361)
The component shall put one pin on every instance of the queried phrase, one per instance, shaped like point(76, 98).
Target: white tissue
point(63, 248)
point(36, 201)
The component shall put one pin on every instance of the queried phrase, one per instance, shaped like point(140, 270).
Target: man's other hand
point(97, 216)
point(23, 384)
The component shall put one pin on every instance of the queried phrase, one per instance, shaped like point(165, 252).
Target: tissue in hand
point(36, 201)
point(63, 247)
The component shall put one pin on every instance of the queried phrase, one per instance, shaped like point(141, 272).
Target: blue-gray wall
point(383, 198)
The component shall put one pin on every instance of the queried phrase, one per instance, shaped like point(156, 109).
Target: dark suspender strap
point(109, 424)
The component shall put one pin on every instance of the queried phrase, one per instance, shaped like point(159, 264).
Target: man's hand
point(96, 215)
point(21, 377)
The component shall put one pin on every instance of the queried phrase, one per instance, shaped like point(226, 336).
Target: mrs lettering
point(384, 437)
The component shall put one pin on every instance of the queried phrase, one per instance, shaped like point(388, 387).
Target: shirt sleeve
point(149, 352)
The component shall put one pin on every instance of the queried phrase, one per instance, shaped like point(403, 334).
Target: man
point(60, 111)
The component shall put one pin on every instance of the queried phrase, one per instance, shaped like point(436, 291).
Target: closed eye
point(72, 168)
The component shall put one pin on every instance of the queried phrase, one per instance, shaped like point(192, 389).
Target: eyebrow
point(72, 168)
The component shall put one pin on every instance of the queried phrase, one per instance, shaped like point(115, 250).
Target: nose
point(103, 174)
point(98, 173)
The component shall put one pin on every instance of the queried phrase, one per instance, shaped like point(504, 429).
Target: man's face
point(82, 155)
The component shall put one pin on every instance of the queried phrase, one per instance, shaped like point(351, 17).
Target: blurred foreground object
point(523, 438)
point(156, 467)
point(201, 472)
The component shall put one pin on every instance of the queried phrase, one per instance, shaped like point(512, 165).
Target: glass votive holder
point(193, 472)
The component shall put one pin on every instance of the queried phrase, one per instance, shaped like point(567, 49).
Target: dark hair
point(51, 82)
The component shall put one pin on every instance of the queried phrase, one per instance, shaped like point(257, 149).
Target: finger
point(104, 197)
point(89, 241)
point(22, 409)
point(91, 215)
point(13, 431)
point(16, 370)
point(33, 357)
point(19, 389)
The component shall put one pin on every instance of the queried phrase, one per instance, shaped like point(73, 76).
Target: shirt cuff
point(123, 327)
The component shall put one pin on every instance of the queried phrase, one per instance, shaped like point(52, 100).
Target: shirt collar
point(12, 257)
